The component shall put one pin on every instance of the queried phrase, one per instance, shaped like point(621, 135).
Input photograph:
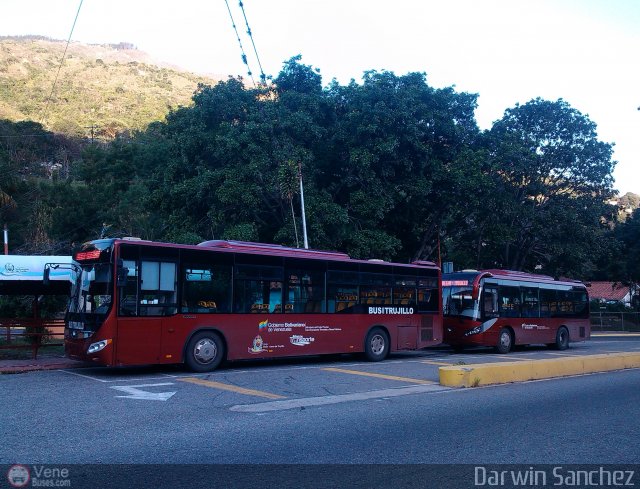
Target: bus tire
point(376, 345)
point(204, 352)
point(562, 339)
point(505, 341)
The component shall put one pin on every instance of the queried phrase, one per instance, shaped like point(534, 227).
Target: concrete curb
point(505, 372)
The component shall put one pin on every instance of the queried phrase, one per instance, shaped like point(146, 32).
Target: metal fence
point(615, 321)
point(30, 334)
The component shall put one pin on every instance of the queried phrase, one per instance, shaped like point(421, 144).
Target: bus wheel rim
point(377, 344)
point(205, 351)
point(505, 339)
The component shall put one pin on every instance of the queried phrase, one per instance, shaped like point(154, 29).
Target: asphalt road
point(333, 411)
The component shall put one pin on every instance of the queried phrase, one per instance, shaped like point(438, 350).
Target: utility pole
point(93, 127)
point(6, 240)
point(304, 219)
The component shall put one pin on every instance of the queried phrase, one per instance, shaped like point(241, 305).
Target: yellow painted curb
point(504, 372)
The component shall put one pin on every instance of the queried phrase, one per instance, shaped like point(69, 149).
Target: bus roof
point(246, 247)
point(509, 275)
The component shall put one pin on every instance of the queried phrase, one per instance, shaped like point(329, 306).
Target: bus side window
point(129, 292)
point(547, 302)
point(206, 288)
point(509, 304)
point(490, 302)
point(530, 302)
point(342, 298)
point(158, 287)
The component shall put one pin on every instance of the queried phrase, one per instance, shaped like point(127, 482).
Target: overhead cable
point(55, 81)
point(244, 56)
point(262, 75)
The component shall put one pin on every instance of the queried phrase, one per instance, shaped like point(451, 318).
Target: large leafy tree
point(552, 177)
point(394, 148)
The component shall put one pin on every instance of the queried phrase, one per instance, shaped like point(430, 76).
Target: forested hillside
point(393, 168)
point(108, 88)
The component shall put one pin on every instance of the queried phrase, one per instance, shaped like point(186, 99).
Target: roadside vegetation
point(393, 168)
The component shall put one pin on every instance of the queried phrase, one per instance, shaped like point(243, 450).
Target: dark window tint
point(509, 302)
point(305, 292)
point(342, 298)
point(206, 289)
point(428, 299)
point(530, 302)
point(404, 296)
point(371, 295)
point(129, 293)
point(490, 302)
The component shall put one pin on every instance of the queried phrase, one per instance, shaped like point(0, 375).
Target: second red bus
point(502, 308)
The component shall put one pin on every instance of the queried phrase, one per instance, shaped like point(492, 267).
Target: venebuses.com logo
point(18, 475)
point(40, 476)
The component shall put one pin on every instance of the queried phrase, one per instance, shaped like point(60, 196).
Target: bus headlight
point(476, 330)
point(98, 346)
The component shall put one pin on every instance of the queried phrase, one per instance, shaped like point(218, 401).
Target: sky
point(507, 51)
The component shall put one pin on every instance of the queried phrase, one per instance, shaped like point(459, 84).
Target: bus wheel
point(562, 339)
point(204, 352)
point(505, 341)
point(376, 346)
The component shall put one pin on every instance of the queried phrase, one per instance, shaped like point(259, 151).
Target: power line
point(262, 75)
point(55, 81)
point(244, 56)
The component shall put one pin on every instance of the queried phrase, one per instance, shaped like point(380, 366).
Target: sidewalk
point(41, 363)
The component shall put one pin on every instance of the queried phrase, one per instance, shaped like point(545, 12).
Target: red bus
point(139, 302)
point(502, 308)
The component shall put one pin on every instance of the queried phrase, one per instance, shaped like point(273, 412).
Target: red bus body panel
point(161, 340)
point(527, 331)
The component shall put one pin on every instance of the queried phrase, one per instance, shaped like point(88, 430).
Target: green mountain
point(100, 89)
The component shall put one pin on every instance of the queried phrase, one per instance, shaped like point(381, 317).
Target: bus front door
point(138, 340)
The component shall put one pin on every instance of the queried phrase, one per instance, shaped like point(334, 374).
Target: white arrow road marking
point(135, 392)
point(304, 402)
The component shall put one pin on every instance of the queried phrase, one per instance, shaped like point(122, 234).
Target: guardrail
point(22, 334)
point(615, 321)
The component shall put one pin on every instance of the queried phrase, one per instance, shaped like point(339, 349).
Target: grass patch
point(26, 353)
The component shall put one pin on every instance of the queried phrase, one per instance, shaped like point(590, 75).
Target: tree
point(394, 163)
point(552, 177)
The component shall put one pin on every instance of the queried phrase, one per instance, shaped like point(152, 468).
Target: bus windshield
point(91, 297)
point(458, 301)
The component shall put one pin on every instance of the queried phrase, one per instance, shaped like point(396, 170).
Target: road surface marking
point(228, 387)
point(509, 358)
point(566, 354)
point(622, 334)
point(135, 392)
point(122, 378)
point(429, 362)
point(379, 376)
point(85, 376)
point(264, 407)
